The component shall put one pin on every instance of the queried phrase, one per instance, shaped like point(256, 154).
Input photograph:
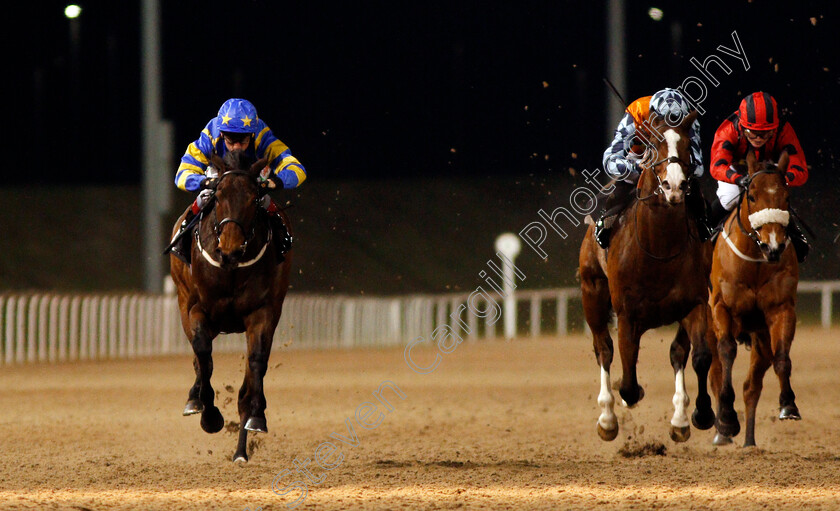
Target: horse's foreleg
point(727, 420)
point(761, 358)
point(202, 343)
point(698, 325)
point(596, 306)
point(782, 325)
point(628, 347)
point(680, 347)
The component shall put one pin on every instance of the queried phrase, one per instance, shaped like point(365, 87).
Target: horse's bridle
point(659, 190)
point(217, 226)
point(750, 233)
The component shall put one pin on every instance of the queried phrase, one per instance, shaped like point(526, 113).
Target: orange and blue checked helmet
point(238, 116)
point(759, 112)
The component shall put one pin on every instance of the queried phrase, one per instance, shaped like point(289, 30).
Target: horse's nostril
point(666, 185)
point(683, 185)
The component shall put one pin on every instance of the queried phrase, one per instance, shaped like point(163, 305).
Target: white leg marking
point(606, 401)
point(681, 401)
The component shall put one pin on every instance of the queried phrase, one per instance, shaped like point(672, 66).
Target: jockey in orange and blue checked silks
point(755, 126)
point(623, 158)
point(237, 126)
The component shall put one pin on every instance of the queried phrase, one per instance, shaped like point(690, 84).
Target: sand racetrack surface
point(497, 425)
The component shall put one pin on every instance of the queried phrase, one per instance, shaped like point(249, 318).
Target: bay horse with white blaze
point(234, 284)
point(654, 273)
point(754, 277)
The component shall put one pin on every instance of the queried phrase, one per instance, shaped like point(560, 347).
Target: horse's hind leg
point(194, 404)
point(680, 347)
point(260, 327)
point(761, 358)
point(698, 325)
point(628, 346)
point(595, 295)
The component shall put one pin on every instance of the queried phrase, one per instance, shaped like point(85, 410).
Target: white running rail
point(60, 327)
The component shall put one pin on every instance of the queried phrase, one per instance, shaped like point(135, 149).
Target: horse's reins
point(217, 229)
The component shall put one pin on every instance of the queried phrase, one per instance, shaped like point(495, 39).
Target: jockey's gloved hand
point(742, 181)
point(209, 183)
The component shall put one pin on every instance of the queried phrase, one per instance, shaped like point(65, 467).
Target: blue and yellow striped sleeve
point(194, 162)
point(283, 166)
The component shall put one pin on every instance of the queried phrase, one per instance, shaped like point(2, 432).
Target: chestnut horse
point(235, 284)
point(654, 273)
point(754, 279)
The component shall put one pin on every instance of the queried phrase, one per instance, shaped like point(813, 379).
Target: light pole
point(72, 13)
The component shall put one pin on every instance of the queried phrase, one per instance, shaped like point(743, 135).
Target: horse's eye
point(751, 198)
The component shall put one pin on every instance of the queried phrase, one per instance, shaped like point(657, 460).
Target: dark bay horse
point(654, 273)
point(754, 277)
point(235, 284)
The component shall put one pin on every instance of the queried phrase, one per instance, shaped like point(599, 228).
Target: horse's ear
point(751, 162)
point(783, 162)
point(257, 167)
point(689, 119)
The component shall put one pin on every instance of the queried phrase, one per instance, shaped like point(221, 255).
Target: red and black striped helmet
point(758, 111)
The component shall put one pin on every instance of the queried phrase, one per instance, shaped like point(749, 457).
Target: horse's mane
point(238, 160)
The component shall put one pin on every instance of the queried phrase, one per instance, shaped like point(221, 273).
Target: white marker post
point(509, 246)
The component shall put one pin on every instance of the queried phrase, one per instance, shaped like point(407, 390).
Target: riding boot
point(717, 214)
point(800, 242)
point(183, 248)
point(282, 238)
point(696, 206)
point(614, 205)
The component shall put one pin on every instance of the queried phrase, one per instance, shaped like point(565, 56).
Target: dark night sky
point(403, 89)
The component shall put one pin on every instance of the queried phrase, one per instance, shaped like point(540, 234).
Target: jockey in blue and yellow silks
point(622, 159)
point(236, 127)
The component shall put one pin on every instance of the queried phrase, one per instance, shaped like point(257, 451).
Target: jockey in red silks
point(755, 126)
point(624, 156)
point(237, 127)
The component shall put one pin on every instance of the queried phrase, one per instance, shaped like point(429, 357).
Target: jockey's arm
point(723, 147)
point(190, 172)
point(797, 170)
point(617, 160)
point(696, 151)
point(284, 169)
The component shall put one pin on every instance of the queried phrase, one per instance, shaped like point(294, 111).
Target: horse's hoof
point(749, 443)
point(607, 434)
point(212, 420)
point(721, 440)
point(257, 424)
point(680, 434)
point(789, 412)
point(727, 424)
point(193, 407)
point(703, 420)
point(240, 458)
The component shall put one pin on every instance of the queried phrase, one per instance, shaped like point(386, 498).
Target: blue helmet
point(670, 105)
point(238, 116)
